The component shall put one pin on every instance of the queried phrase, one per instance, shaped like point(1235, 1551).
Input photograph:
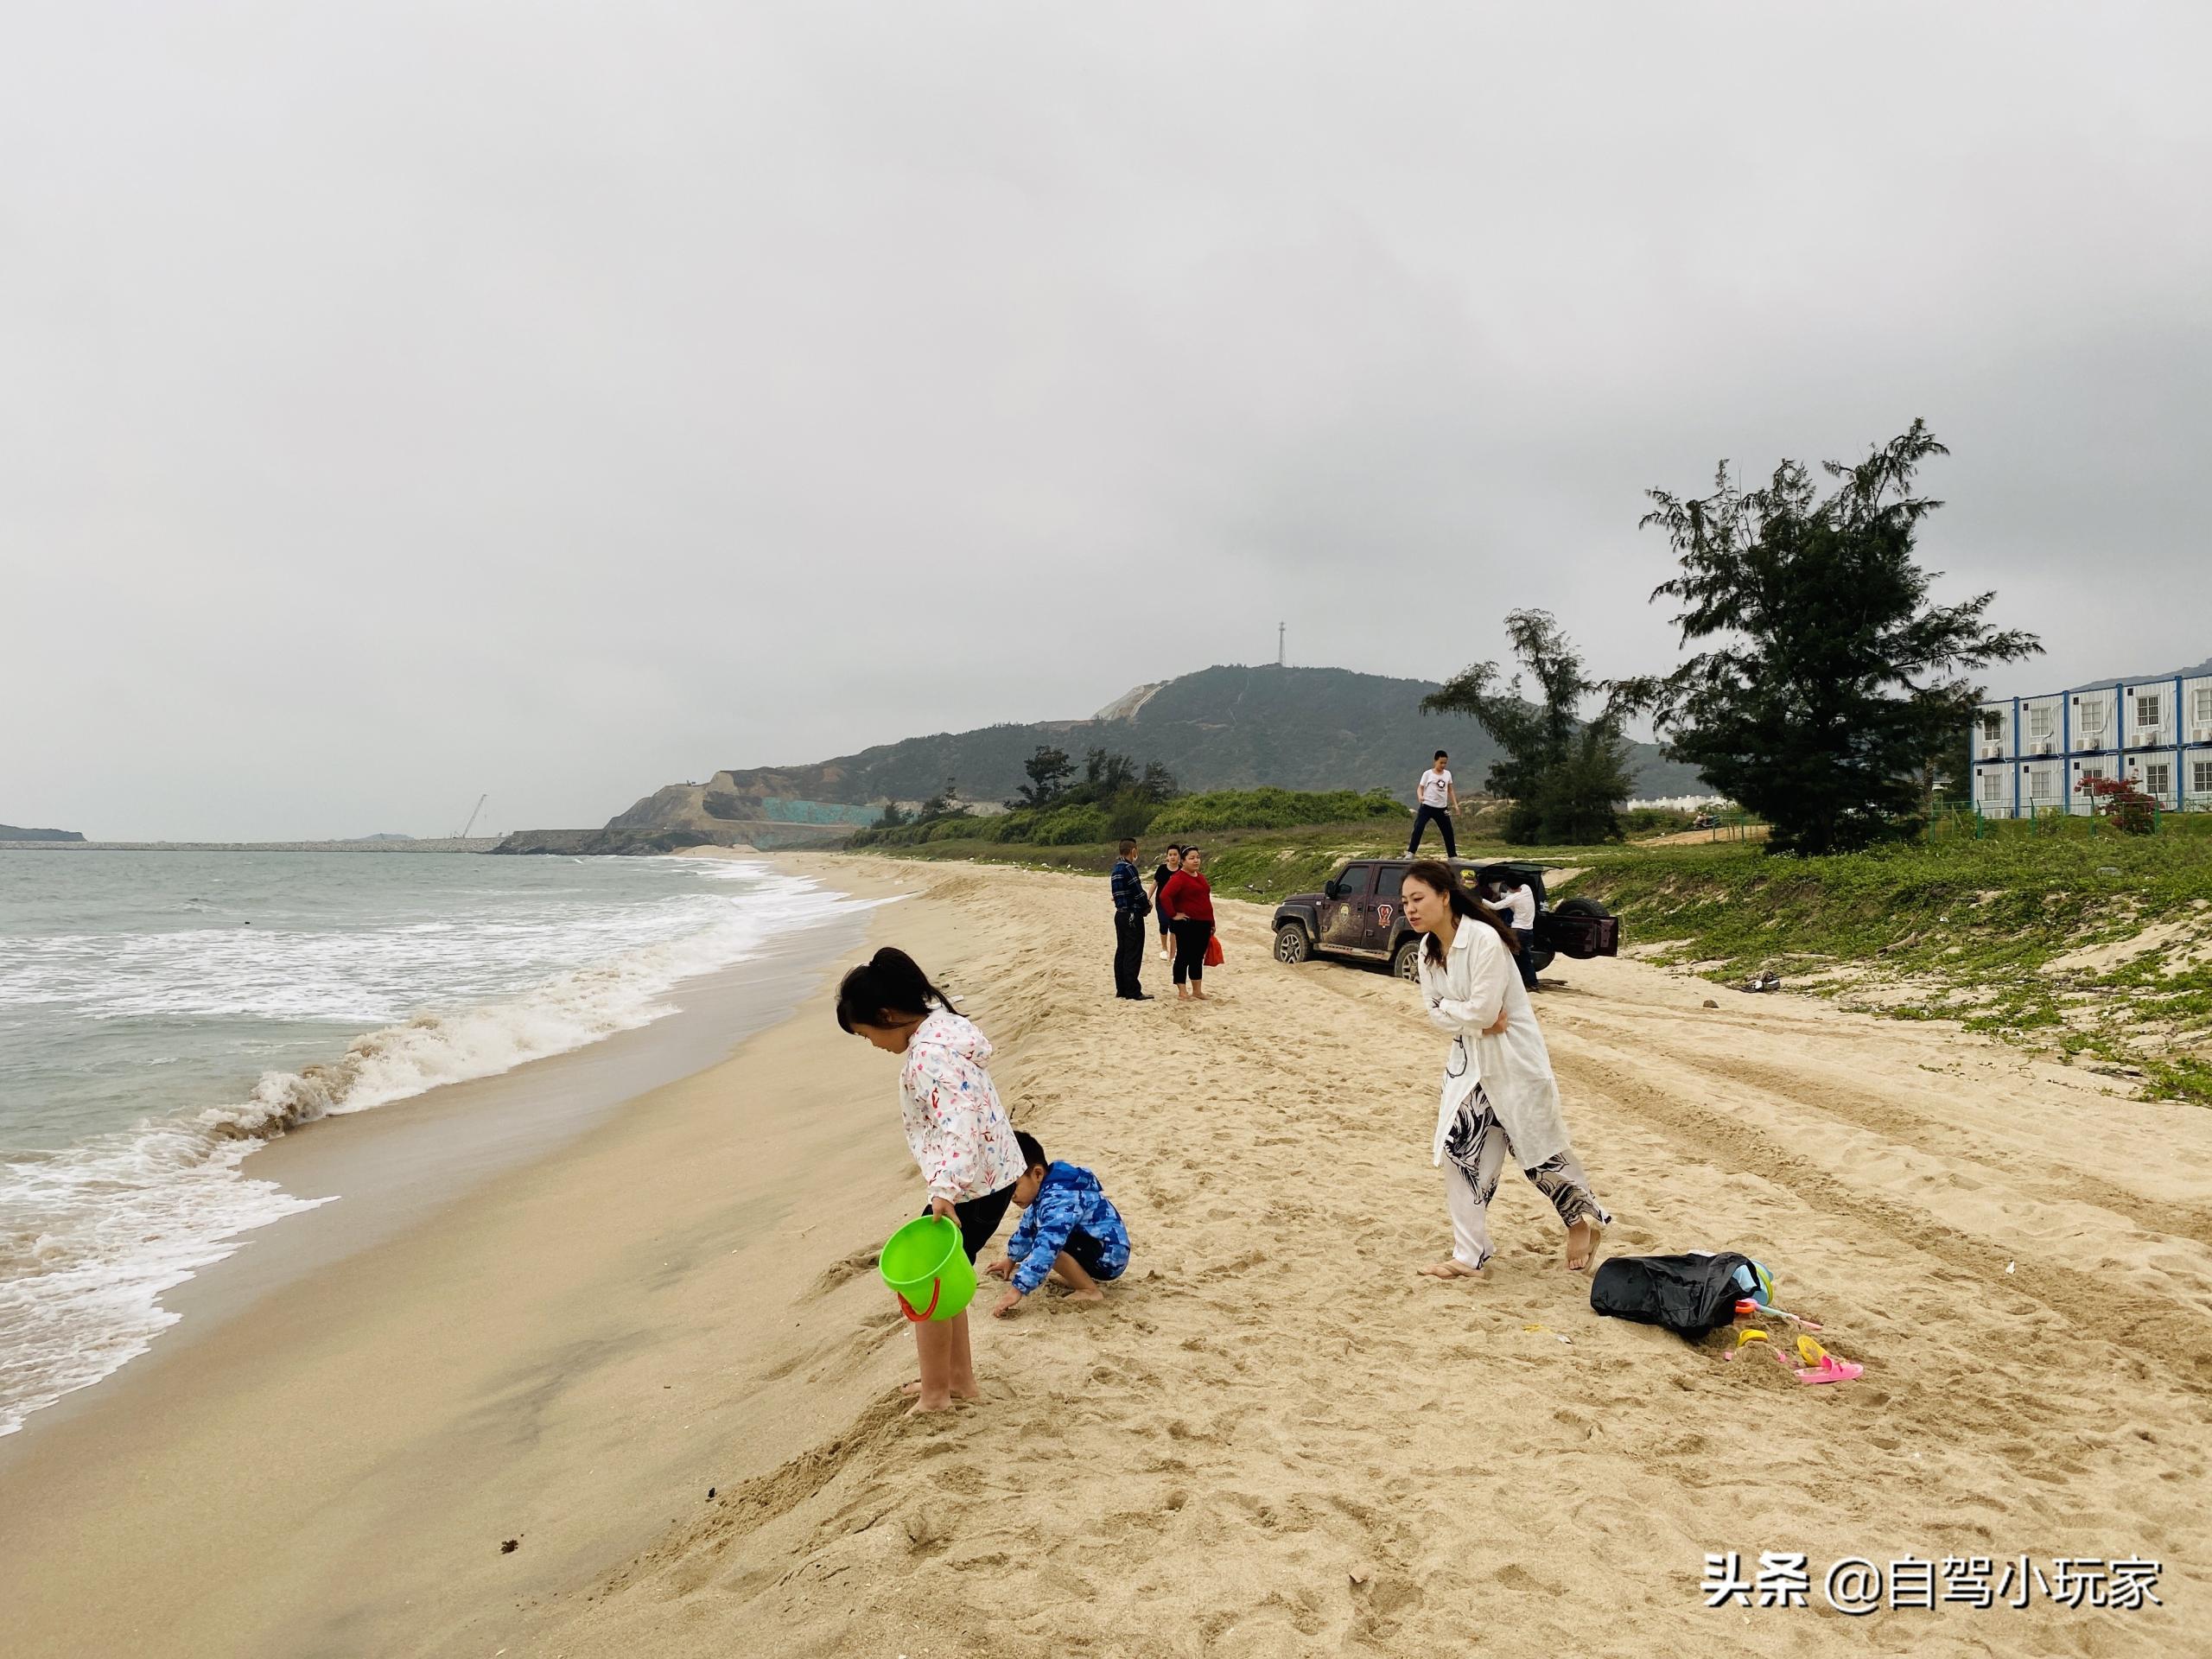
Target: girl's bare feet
point(1094, 1294)
point(1452, 1267)
point(913, 1391)
point(1582, 1240)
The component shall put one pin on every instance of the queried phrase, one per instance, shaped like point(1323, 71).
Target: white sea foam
point(91, 1236)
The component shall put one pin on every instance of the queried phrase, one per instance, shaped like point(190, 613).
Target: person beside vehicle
point(1500, 1098)
point(1187, 901)
point(1518, 905)
point(1130, 908)
point(1438, 800)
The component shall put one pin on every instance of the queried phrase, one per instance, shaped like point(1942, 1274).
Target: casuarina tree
point(1833, 682)
point(1566, 776)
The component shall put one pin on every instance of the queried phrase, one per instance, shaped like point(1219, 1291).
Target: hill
point(1228, 727)
point(9, 832)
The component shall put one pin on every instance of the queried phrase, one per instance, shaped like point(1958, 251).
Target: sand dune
point(1276, 1440)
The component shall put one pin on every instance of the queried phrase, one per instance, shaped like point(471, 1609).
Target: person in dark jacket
point(1169, 863)
point(1187, 901)
point(1130, 908)
point(1069, 1230)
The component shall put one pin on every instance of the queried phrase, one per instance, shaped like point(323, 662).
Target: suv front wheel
point(1291, 943)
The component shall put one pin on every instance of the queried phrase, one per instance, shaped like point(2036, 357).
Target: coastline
point(1273, 1439)
point(320, 1382)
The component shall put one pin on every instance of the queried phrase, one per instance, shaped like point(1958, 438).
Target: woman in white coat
point(1500, 1098)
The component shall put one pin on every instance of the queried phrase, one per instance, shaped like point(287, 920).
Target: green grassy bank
point(2100, 948)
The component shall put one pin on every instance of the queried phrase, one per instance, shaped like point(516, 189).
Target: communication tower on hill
point(1282, 661)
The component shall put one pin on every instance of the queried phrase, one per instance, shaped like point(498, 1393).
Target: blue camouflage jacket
point(1070, 1202)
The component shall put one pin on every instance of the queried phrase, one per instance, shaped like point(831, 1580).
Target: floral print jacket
point(960, 1135)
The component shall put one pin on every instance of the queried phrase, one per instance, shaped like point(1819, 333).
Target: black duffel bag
point(1688, 1294)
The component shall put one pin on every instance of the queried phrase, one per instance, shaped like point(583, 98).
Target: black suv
point(1356, 913)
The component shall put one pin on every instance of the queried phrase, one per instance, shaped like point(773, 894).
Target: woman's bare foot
point(1452, 1267)
point(1198, 996)
point(920, 1407)
point(1582, 1240)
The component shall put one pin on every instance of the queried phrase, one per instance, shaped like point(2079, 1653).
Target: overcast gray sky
point(400, 402)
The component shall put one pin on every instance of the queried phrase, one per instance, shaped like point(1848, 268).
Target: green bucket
point(928, 1269)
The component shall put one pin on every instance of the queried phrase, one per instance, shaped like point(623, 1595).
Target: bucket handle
point(936, 1290)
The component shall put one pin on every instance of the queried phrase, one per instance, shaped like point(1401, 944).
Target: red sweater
point(1187, 897)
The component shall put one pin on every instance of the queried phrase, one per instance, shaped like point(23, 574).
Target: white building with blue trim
point(2031, 753)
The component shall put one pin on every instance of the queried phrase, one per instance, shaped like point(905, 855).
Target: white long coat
point(1479, 978)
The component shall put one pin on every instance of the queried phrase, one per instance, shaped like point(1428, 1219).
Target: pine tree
point(1839, 684)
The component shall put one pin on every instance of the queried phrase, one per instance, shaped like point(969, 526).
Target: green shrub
point(1272, 809)
point(1071, 826)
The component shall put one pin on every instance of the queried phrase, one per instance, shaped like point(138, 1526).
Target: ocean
point(164, 1014)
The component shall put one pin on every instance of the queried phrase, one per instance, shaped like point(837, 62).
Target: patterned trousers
point(1474, 1157)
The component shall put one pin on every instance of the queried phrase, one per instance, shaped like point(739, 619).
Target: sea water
point(162, 1015)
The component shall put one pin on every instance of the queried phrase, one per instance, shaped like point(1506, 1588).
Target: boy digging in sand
point(1069, 1231)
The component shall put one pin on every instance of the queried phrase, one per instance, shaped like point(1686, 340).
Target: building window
point(2042, 783)
point(2093, 718)
point(1992, 787)
point(2200, 782)
point(2147, 709)
point(2040, 722)
point(2204, 696)
point(1992, 726)
point(2158, 778)
point(2094, 769)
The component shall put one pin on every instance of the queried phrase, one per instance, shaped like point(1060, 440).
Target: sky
point(403, 402)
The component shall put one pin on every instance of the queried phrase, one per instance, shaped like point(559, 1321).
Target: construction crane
point(473, 817)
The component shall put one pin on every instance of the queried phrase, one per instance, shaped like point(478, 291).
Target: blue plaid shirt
point(1128, 888)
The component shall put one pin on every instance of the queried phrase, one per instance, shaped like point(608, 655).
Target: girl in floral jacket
point(960, 1134)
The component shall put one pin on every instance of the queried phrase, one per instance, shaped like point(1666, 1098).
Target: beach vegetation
point(1566, 777)
point(1833, 698)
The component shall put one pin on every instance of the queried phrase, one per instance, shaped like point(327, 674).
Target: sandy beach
point(657, 1360)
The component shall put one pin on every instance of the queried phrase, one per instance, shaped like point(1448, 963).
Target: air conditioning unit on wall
point(2200, 734)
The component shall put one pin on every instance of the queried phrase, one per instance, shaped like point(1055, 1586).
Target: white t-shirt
point(1435, 787)
point(1520, 908)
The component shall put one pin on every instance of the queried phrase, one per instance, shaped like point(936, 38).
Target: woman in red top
point(1187, 903)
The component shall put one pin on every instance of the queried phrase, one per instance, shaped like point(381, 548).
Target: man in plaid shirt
point(1130, 908)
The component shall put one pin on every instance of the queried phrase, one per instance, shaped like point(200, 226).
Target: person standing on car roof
point(1438, 801)
point(1519, 904)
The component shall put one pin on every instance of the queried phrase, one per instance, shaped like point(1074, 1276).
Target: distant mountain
point(1225, 727)
point(8, 832)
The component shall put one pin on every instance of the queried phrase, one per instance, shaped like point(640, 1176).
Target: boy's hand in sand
point(1008, 1304)
point(1001, 1268)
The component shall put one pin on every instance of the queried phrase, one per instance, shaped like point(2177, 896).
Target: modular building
point(2031, 754)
